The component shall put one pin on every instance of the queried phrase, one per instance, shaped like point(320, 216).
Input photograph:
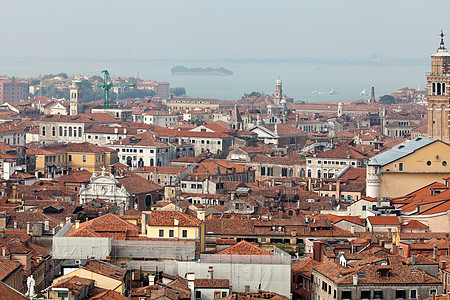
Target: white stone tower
point(278, 92)
point(76, 98)
point(340, 111)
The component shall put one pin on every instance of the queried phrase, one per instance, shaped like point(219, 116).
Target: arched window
point(79, 132)
point(43, 130)
point(148, 200)
point(438, 88)
point(60, 131)
point(302, 173)
point(263, 171)
point(70, 130)
point(159, 179)
point(170, 179)
point(152, 162)
point(291, 172)
point(129, 161)
point(53, 131)
point(434, 88)
point(443, 88)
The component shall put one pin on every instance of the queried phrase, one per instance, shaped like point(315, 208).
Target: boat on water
point(364, 92)
point(315, 92)
point(332, 92)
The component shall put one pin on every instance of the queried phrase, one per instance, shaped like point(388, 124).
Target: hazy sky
point(191, 29)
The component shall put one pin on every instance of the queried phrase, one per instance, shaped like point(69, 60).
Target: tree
point(178, 91)
point(35, 82)
point(136, 94)
point(252, 94)
point(63, 75)
point(388, 99)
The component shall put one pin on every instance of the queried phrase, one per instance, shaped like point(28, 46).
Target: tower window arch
point(434, 88)
point(443, 88)
point(438, 88)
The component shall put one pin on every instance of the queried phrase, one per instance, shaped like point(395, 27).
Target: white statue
point(30, 285)
point(103, 171)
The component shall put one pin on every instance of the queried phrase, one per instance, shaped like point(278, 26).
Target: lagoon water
point(299, 79)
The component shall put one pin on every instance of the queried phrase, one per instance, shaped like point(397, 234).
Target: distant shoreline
point(182, 70)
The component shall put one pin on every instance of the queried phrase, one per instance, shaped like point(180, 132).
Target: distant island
point(181, 70)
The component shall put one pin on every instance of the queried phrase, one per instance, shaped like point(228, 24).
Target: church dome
point(278, 82)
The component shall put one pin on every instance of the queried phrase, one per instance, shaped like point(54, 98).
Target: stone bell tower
point(76, 98)
point(438, 84)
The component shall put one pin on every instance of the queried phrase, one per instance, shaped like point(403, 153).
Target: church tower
point(278, 92)
point(76, 98)
point(438, 84)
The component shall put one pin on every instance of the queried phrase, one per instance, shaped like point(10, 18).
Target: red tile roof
point(166, 218)
point(212, 283)
point(384, 220)
point(244, 248)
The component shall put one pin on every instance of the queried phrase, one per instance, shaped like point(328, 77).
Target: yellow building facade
point(407, 167)
point(67, 157)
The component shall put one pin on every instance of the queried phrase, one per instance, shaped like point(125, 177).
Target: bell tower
point(438, 85)
point(278, 92)
point(76, 98)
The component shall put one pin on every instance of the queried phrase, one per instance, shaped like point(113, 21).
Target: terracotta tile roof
point(175, 170)
point(212, 283)
point(304, 266)
point(8, 266)
point(285, 129)
point(145, 139)
point(413, 224)
point(108, 295)
point(397, 274)
point(111, 129)
point(384, 220)
point(343, 151)
point(209, 166)
point(108, 225)
point(78, 148)
point(67, 119)
point(136, 184)
point(105, 269)
point(6, 127)
point(100, 117)
point(166, 218)
point(244, 248)
point(75, 284)
point(7, 292)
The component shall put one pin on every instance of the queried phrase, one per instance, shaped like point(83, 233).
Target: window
point(378, 295)
point(70, 157)
point(413, 294)
point(198, 294)
point(400, 294)
point(84, 158)
point(161, 233)
point(428, 163)
point(53, 131)
point(365, 294)
point(346, 295)
point(43, 131)
point(224, 294)
point(171, 233)
point(364, 208)
point(63, 294)
point(432, 291)
point(184, 233)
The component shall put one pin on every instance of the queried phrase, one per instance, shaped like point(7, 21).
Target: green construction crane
point(107, 85)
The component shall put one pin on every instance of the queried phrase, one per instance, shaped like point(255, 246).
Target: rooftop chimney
point(77, 224)
point(435, 252)
point(28, 227)
point(211, 272)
